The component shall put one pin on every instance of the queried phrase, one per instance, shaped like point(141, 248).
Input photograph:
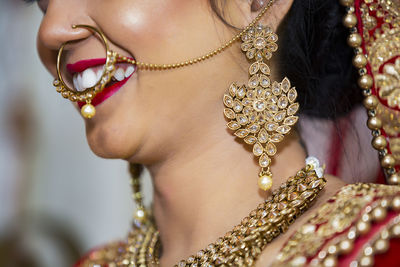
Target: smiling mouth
point(86, 74)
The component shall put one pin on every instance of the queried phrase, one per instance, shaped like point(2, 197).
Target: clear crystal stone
point(233, 125)
point(246, 102)
point(242, 133)
point(276, 138)
point(259, 105)
point(250, 140)
point(273, 108)
point(254, 68)
point(247, 110)
point(259, 56)
point(229, 113)
point(284, 129)
point(268, 93)
point(258, 149)
point(280, 116)
point(254, 128)
point(250, 53)
point(290, 120)
point(237, 106)
point(241, 92)
point(292, 95)
point(233, 89)
point(293, 108)
point(276, 88)
point(283, 102)
point(264, 81)
point(246, 46)
point(263, 136)
point(271, 126)
point(273, 37)
point(250, 94)
point(285, 85)
point(270, 148)
point(260, 43)
point(253, 82)
point(272, 47)
point(228, 101)
point(242, 119)
point(268, 116)
point(265, 69)
point(264, 161)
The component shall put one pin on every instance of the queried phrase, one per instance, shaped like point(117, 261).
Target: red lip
point(85, 64)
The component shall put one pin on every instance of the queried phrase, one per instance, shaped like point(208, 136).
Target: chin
point(110, 142)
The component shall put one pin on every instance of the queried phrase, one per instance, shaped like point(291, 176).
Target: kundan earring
point(261, 112)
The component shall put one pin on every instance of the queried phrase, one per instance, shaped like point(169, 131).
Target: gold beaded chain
point(216, 51)
point(240, 246)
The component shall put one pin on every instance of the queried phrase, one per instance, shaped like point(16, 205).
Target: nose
point(56, 27)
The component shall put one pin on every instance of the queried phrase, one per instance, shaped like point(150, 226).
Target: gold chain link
point(152, 66)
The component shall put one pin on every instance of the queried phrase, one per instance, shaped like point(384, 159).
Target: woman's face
point(155, 111)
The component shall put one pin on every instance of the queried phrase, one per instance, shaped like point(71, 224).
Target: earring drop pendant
point(265, 180)
point(88, 111)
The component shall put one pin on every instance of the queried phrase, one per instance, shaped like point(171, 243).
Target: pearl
point(350, 20)
point(88, 111)
point(265, 182)
point(388, 161)
point(346, 2)
point(379, 142)
point(370, 102)
point(394, 179)
point(396, 203)
point(379, 214)
point(381, 245)
point(365, 81)
point(346, 246)
point(140, 215)
point(366, 261)
point(330, 261)
point(354, 40)
point(374, 123)
point(363, 227)
point(359, 61)
point(395, 230)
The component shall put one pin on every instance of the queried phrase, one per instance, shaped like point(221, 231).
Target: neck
point(212, 184)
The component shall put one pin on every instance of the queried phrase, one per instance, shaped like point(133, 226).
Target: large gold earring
point(261, 112)
point(87, 110)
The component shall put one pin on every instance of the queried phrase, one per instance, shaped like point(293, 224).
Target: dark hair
point(314, 55)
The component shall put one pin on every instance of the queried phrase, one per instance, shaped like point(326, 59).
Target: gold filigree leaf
point(263, 136)
point(264, 161)
point(250, 139)
point(258, 149)
point(270, 148)
point(254, 68)
point(242, 133)
point(228, 101)
point(290, 120)
point(293, 108)
point(233, 125)
point(292, 95)
point(229, 113)
point(285, 84)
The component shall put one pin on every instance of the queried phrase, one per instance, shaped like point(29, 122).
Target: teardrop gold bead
point(88, 111)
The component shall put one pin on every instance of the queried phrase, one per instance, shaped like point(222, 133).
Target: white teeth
point(79, 83)
point(98, 75)
point(89, 78)
point(119, 74)
point(129, 71)
point(75, 80)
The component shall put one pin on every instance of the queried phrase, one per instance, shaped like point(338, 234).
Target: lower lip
point(106, 93)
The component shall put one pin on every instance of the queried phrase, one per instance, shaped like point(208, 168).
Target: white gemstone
point(259, 105)
point(313, 162)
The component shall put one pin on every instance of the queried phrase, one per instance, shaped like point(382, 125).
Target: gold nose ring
point(87, 95)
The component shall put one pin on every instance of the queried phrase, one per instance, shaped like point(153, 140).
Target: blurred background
point(57, 200)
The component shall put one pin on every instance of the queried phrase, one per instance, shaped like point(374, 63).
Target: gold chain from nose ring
point(201, 58)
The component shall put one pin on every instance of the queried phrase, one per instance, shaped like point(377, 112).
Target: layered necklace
point(244, 243)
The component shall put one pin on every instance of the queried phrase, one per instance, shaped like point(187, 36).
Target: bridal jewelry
point(261, 112)
point(242, 245)
point(112, 57)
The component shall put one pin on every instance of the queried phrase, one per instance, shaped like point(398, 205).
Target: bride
point(199, 93)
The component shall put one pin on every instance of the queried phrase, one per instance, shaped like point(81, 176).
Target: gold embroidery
point(389, 84)
point(336, 220)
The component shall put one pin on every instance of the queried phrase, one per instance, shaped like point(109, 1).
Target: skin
point(205, 180)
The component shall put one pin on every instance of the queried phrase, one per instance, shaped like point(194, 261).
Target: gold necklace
point(242, 245)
